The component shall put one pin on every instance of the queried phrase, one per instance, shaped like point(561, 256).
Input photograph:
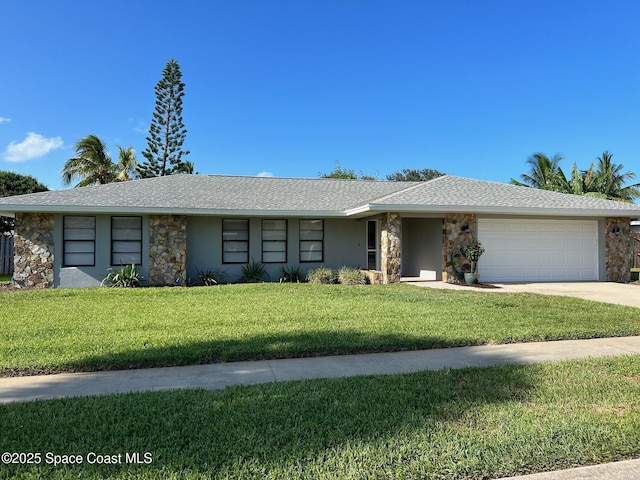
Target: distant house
point(174, 226)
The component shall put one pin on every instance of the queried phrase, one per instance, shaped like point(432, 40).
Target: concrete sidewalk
point(219, 375)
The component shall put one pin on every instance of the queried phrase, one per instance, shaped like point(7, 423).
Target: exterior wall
point(421, 246)
point(391, 247)
point(618, 250)
point(167, 250)
point(92, 276)
point(344, 244)
point(458, 231)
point(34, 250)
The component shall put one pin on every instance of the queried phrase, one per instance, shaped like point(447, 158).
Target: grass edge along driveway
point(49, 331)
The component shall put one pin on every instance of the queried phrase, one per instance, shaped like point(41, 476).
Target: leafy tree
point(166, 133)
point(346, 174)
point(412, 175)
point(15, 184)
point(92, 164)
point(545, 173)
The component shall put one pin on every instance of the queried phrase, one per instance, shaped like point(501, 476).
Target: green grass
point(49, 331)
point(451, 424)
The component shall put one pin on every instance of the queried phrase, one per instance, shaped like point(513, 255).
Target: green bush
point(253, 272)
point(290, 274)
point(211, 277)
point(351, 276)
point(126, 276)
point(321, 275)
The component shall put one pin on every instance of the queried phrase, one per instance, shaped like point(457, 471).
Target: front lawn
point(452, 424)
point(99, 329)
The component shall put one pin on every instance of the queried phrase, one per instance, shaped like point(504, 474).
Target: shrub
point(211, 277)
point(290, 274)
point(351, 276)
point(321, 275)
point(125, 276)
point(253, 272)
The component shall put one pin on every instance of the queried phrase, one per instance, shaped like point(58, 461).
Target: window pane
point(371, 260)
point(310, 256)
point(78, 259)
point(229, 225)
point(126, 258)
point(310, 246)
point(280, 235)
point(236, 247)
point(274, 257)
point(274, 224)
point(79, 222)
point(371, 235)
point(126, 222)
point(79, 234)
point(235, 257)
point(274, 246)
point(78, 247)
point(128, 247)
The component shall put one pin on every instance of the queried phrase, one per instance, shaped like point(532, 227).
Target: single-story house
point(175, 226)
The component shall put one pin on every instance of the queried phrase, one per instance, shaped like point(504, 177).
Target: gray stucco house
point(173, 226)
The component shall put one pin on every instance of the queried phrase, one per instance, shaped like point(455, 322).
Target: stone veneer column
point(391, 247)
point(167, 250)
point(33, 250)
point(458, 231)
point(618, 249)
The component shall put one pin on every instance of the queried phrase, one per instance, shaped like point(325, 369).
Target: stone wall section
point(391, 247)
point(458, 231)
point(33, 250)
point(167, 250)
point(618, 249)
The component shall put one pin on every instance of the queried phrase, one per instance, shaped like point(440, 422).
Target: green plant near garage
point(321, 275)
point(351, 276)
point(211, 277)
point(253, 272)
point(290, 274)
point(127, 276)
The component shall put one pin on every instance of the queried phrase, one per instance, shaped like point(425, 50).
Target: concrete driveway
point(608, 292)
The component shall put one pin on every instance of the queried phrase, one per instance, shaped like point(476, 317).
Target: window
point(274, 241)
point(79, 241)
point(311, 240)
point(126, 240)
point(235, 241)
point(372, 245)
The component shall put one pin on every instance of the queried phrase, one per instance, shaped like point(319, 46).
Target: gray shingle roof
point(217, 194)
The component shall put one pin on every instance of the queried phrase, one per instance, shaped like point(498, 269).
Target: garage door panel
point(538, 250)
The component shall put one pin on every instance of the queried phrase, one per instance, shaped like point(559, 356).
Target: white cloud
point(34, 146)
point(265, 174)
point(139, 126)
point(4, 120)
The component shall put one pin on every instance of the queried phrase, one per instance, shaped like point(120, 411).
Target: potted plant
point(473, 253)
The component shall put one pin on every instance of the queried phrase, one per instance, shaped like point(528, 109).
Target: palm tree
point(92, 164)
point(545, 173)
point(608, 180)
point(127, 164)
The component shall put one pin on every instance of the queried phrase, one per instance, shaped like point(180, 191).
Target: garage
point(532, 250)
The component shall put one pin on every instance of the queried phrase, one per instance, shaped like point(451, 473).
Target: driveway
point(608, 292)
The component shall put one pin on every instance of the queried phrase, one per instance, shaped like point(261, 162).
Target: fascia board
point(169, 211)
point(505, 210)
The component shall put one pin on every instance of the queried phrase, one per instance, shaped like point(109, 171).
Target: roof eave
point(492, 210)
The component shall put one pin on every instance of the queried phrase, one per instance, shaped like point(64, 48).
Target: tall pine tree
point(167, 133)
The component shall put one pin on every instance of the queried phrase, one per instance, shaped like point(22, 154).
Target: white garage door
point(538, 250)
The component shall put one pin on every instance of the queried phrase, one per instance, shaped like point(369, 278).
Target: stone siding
point(33, 250)
point(618, 249)
point(167, 250)
point(391, 247)
point(458, 231)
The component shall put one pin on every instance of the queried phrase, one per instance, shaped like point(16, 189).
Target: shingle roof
point(449, 193)
point(217, 194)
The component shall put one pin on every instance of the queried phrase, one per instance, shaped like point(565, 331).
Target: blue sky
point(289, 88)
